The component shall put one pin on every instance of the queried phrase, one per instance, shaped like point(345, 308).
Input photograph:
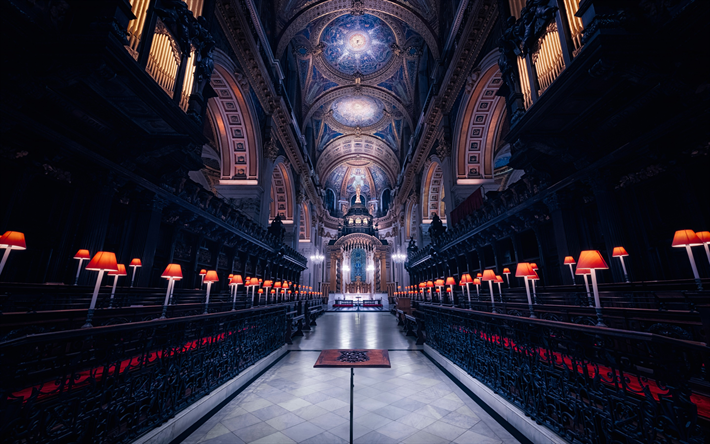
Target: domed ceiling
point(358, 64)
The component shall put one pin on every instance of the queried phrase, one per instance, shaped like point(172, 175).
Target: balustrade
point(118, 382)
point(587, 384)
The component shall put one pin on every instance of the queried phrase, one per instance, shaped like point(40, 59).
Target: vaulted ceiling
point(358, 64)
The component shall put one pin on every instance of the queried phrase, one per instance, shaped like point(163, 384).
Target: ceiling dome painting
point(358, 44)
point(357, 111)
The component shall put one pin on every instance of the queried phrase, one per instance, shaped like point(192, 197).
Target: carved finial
point(271, 150)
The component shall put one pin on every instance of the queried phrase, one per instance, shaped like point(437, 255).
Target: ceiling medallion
point(357, 111)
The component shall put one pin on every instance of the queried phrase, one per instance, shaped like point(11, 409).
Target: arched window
point(385, 202)
point(330, 201)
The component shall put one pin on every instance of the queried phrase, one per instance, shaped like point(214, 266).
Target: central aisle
point(413, 402)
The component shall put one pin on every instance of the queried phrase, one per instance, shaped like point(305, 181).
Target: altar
point(358, 286)
point(358, 298)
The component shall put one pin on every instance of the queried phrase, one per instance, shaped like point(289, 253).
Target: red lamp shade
point(284, 285)
point(592, 259)
point(704, 236)
point(534, 277)
point(277, 284)
point(619, 251)
point(135, 263)
point(682, 238)
point(479, 275)
point(82, 254)
point(533, 265)
point(569, 260)
point(273, 291)
point(14, 240)
point(103, 260)
point(580, 271)
point(260, 291)
point(450, 281)
point(230, 276)
point(430, 284)
point(499, 279)
point(234, 281)
point(120, 272)
point(172, 271)
point(203, 272)
point(449, 289)
point(524, 269)
point(268, 284)
point(467, 278)
point(506, 271)
point(439, 282)
point(476, 281)
point(238, 279)
point(488, 275)
point(462, 283)
point(211, 276)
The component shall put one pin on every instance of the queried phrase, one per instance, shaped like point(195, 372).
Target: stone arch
point(233, 128)
point(433, 192)
point(479, 123)
point(282, 198)
point(304, 227)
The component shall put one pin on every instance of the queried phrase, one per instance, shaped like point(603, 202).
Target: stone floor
point(413, 402)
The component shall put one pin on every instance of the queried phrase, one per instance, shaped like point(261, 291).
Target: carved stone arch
point(379, 93)
point(231, 118)
point(432, 192)
point(304, 228)
point(282, 192)
point(318, 10)
point(366, 147)
point(479, 123)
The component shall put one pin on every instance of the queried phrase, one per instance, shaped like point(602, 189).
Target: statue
point(437, 227)
point(277, 229)
point(357, 192)
point(412, 247)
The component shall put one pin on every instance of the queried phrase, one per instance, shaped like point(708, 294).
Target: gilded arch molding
point(318, 10)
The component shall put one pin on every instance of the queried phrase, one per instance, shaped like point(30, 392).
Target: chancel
point(211, 211)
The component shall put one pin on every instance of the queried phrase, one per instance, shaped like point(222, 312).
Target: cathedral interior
point(492, 209)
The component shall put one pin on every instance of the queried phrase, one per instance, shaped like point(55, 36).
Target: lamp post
point(236, 282)
point(506, 272)
point(11, 240)
point(499, 280)
point(584, 272)
point(116, 274)
point(203, 272)
point(102, 261)
point(173, 272)
point(450, 281)
point(620, 252)
point(463, 284)
point(524, 271)
point(490, 276)
point(532, 279)
point(477, 283)
point(593, 260)
point(210, 278)
point(430, 287)
point(467, 279)
point(704, 237)
point(81, 255)
point(439, 283)
point(135, 263)
point(688, 239)
point(569, 260)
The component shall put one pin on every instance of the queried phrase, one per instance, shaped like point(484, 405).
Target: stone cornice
point(478, 26)
point(233, 21)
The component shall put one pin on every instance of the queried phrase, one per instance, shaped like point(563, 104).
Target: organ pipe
point(548, 59)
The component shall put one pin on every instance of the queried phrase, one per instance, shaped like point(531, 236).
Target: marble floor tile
point(292, 402)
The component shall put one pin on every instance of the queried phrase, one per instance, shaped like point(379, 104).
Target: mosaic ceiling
point(358, 64)
point(357, 111)
point(357, 44)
